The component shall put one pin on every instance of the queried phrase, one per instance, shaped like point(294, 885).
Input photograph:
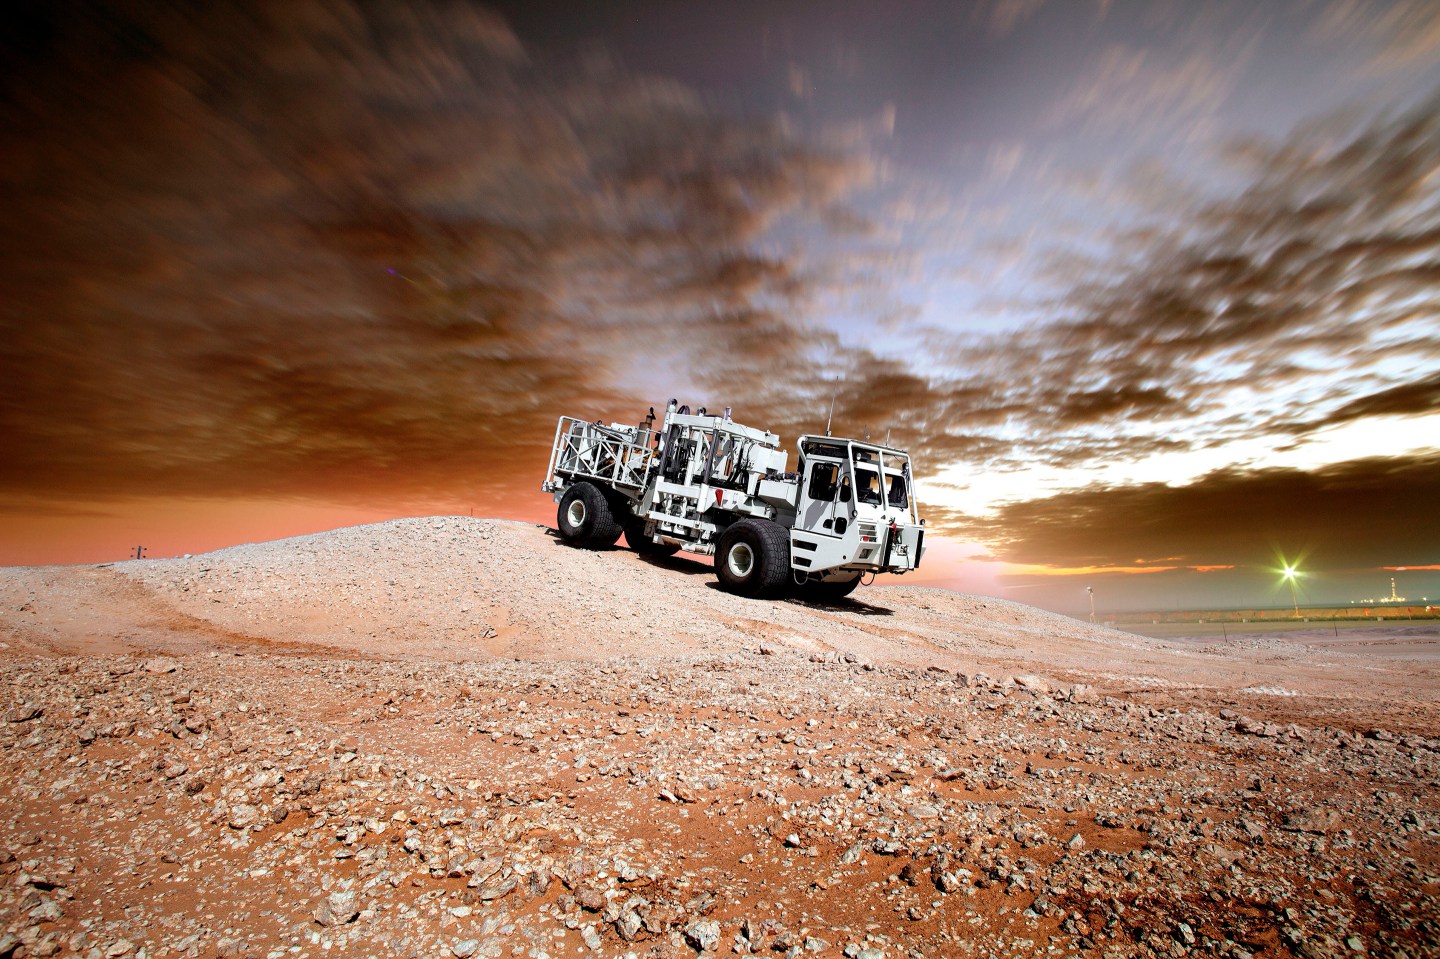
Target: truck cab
point(856, 513)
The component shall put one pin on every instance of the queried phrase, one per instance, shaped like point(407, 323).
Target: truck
point(708, 485)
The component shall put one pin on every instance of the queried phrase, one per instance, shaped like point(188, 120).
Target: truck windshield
point(897, 496)
point(867, 485)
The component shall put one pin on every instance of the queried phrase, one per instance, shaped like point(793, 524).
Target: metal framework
point(621, 457)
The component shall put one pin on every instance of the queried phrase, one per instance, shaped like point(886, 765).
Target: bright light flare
point(1289, 573)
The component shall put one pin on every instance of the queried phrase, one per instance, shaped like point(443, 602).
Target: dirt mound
point(456, 588)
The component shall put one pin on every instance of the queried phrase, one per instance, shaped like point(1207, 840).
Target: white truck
point(708, 485)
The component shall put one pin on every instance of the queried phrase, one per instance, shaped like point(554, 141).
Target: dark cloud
point(1421, 396)
point(355, 249)
point(1361, 513)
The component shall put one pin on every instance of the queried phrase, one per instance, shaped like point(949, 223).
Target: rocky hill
point(447, 736)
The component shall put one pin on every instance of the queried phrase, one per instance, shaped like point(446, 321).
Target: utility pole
point(138, 552)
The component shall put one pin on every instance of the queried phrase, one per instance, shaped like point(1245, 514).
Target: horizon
point(1147, 289)
point(1427, 579)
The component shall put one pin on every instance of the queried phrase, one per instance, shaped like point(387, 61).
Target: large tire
point(753, 558)
point(642, 544)
point(819, 591)
point(586, 518)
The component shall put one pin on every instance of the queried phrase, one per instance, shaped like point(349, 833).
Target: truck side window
point(822, 481)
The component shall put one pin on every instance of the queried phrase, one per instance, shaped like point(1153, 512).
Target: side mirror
point(841, 524)
point(845, 493)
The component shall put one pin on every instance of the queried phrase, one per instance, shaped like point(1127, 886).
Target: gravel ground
point(457, 737)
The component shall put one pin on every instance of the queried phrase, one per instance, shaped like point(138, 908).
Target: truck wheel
point(642, 544)
point(753, 558)
point(585, 517)
point(819, 591)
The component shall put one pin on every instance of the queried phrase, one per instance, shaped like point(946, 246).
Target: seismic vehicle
point(708, 485)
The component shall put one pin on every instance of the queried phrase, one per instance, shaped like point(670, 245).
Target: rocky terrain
point(456, 737)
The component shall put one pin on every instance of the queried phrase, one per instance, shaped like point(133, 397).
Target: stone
point(948, 882)
point(629, 924)
point(703, 934)
point(1032, 682)
point(1312, 819)
point(242, 816)
point(161, 664)
point(48, 911)
point(497, 888)
point(23, 713)
point(465, 948)
point(337, 909)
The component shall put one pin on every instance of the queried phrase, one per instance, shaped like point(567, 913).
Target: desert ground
point(457, 737)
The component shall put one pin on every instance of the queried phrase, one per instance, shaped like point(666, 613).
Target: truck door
point(823, 482)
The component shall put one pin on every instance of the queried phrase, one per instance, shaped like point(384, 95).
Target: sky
point(1150, 290)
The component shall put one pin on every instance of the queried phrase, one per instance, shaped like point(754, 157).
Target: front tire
point(585, 517)
point(753, 558)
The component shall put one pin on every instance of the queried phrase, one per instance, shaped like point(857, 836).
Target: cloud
point(1308, 290)
point(1124, 88)
point(1361, 513)
point(357, 250)
point(1402, 34)
point(1420, 396)
point(1003, 17)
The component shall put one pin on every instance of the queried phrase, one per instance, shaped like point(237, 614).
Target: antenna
point(887, 436)
point(829, 418)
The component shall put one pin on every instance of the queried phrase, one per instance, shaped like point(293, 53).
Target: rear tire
point(819, 591)
point(753, 558)
point(642, 544)
point(585, 517)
